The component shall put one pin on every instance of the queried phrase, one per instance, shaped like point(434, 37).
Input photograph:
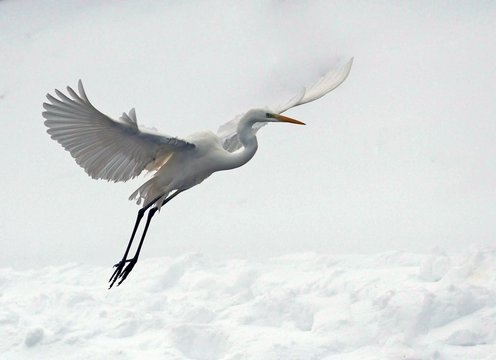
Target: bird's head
point(264, 116)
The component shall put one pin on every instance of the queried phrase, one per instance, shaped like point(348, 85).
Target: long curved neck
point(249, 142)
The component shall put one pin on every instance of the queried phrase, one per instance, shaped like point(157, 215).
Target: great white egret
point(118, 150)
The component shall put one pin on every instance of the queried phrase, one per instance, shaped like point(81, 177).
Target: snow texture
point(391, 305)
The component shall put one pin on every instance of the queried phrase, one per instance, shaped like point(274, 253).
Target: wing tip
point(348, 65)
point(344, 72)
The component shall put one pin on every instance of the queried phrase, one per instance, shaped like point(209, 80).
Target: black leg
point(120, 271)
point(134, 260)
point(120, 265)
point(150, 215)
point(141, 212)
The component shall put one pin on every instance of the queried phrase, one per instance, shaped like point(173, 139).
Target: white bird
point(118, 150)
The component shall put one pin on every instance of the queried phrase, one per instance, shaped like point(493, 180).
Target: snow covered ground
point(309, 306)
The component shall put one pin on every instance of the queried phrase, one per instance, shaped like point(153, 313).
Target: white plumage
point(105, 148)
point(118, 150)
point(228, 132)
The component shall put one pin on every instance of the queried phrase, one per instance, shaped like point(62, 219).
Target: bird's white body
point(119, 150)
point(185, 169)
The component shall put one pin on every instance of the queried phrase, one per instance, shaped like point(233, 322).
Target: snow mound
point(306, 306)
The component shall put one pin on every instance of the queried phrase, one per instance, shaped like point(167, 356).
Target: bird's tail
point(149, 192)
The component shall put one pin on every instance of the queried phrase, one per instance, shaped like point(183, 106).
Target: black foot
point(127, 270)
point(122, 272)
point(117, 272)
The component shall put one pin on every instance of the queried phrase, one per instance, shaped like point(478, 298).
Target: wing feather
point(103, 147)
point(228, 131)
point(321, 87)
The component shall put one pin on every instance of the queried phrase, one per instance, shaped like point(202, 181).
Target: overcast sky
point(400, 157)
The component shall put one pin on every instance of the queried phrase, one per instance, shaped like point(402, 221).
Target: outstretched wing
point(228, 131)
point(322, 86)
point(104, 148)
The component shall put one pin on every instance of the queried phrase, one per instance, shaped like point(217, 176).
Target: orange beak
point(288, 119)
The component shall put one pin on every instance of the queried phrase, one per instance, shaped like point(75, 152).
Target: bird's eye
point(269, 115)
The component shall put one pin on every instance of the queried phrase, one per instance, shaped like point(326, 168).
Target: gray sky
point(400, 157)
